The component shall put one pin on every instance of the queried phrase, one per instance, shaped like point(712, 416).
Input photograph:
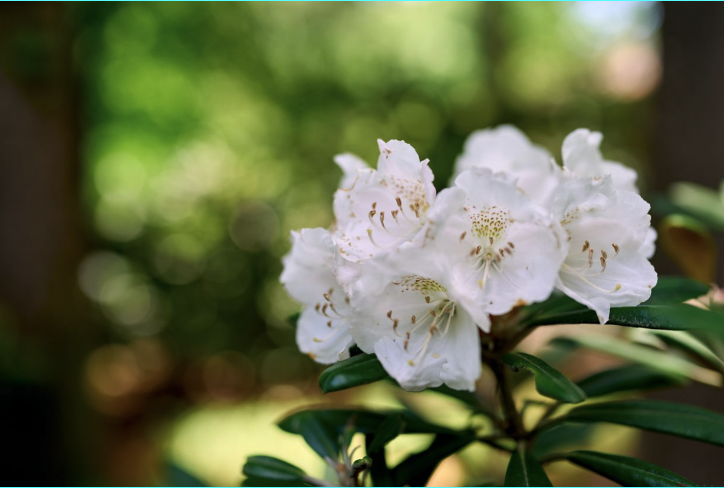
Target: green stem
point(514, 424)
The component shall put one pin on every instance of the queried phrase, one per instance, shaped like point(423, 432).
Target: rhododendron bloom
point(607, 230)
point(505, 149)
point(384, 208)
point(507, 246)
point(415, 310)
point(323, 327)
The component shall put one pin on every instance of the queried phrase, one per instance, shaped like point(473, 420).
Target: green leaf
point(178, 476)
point(525, 470)
point(674, 289)
point(271, 468)
point(548, 381)
point(667, 418)
point(638, 353)
point(417, 468)
point(562, 436)
point(390, 428)
point(379, 471)
point(355, 371)
point(691, 346)
point(333, 422)
point(690, 245)
point(661, 317)
point(626, 471)
point(627, 378)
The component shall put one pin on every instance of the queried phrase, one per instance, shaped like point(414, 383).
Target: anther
point(427, 298)
point(586, 245)
point(603, 254)
point(433, 313)
point(395, 323)
point(512, 246)
point(374, 206)
point(478, 249)
point(413, 319)
point(389, 314)
point(329, 324)
point(394, 214)
point(324, 309)
point(590, 258)
point(462, 236)
point(326, 296)
point(603, 264)
point(399, 202)
point(316, 307)
point(490, 239)
point(382, 219)
point(615, 247)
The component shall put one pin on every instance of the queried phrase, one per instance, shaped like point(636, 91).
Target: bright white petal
point(350, 166)
point(308, 268)
point(581, 154)
point(324, 339)
point(648, 248)
point(505, 149)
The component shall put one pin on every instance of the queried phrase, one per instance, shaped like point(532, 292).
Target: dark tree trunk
point(689, 146)
point(45, 419)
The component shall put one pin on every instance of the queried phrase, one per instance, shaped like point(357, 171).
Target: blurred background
point(155, 156)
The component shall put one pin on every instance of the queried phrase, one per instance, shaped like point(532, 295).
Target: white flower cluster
point(414, 277)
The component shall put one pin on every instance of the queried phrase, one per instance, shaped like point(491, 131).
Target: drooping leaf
point(390, 428)
point(627, 378)
point(665, 417)
point(417, 468)
point(626, 471)
point(525, 470)
point(273, 469)
point(691, 346)
point(638, 353)
point(661, 317)
point(670, 290)
point(690, 245)
point(379, 471)
point(355, 371)
point(562, 436)
point(548, 381)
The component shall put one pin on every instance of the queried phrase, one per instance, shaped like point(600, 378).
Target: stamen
point(615, 247)
point(316, 307)
point(374, 205)
point(382, 220)
point(490, 239)
point(394, 215)
point(512, 246)
point(413, 319)
point(462, 236)
point(346, 300)
point(326, 296)
point(399, 202)
point(329, 324)
point(324, 310)
point(590, 258)
point(603, 264)
point(586, 245)
point(407, 340)
point(395, 323)
point(478, 249)
point(603, 253)
point(389, 315)
point(433, 313)
point(427, 298)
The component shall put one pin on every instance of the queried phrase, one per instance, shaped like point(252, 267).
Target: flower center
point(489, 229)
point(396, 225)
point(591, 267)
point(435, 315)
point(335, 313)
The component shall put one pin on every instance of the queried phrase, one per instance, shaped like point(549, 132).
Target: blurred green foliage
point(209, 131)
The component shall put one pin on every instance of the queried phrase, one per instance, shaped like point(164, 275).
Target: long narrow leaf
point(355, 371)
point(525, 470)
point(417, 469)
point(548, 381)
point(626, 471)
point(630, 377)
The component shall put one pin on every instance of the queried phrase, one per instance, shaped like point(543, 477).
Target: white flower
point(414, 310)
point(582, 156)
point(607, 230)
point(350, 165)
point(323, 327)
point(385, 208)
point(510, 249)
point(505, 149)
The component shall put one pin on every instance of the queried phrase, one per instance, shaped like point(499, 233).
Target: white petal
point(350, 166)
point(506, 149)
point(627, 281)
point(648, 248)
point(581, 154)
point(453, 359)
point(325, 340)
point(309, 267)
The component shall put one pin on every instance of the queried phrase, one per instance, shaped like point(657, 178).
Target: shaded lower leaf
point(665, 417)
point(271, 468)
point(548, 381)
point(417, 468)
point(626, 471)
point(355, 371)
point(390, 428)
point(690, 345)
point(627, 378)
point(379, 471)
point(524, 469)
point(178, 476)
point(563, 436)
